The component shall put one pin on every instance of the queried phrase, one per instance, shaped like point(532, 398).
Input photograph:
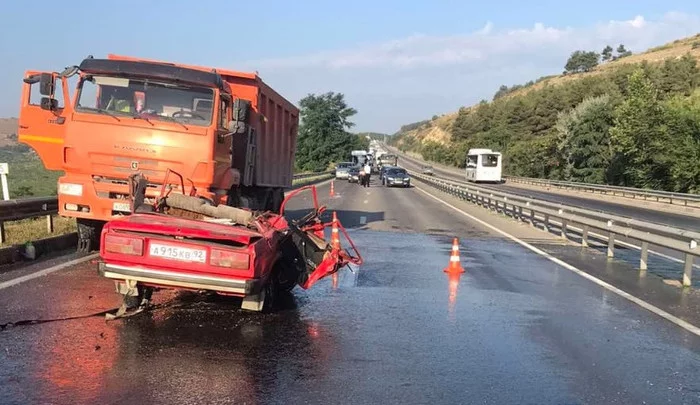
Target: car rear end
point(166, 252)
point(397, 178)
point(354, 175)
point(341, 173)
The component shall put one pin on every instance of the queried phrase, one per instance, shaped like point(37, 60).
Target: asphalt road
point(628, 210)
point(515, 328)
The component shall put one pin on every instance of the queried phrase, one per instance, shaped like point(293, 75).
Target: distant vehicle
point(341, 170)
point(354, 175)
point(396, 176)
point(427, 170)
point(359, 157)
point(484, 165)
point(388, 159)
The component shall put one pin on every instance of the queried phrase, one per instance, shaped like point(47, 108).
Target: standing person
point(368, 172)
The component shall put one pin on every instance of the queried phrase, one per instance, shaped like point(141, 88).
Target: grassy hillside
point(632, 121)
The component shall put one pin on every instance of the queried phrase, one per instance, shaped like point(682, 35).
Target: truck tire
point(89, 232)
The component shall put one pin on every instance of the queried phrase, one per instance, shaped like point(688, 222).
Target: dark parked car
point(383, 171)
point(396, 176)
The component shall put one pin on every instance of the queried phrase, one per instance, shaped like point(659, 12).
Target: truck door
point(42, 116)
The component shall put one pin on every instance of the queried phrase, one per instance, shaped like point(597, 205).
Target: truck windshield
point(150, 99)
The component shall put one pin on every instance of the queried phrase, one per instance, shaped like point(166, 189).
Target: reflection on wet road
point(514, 328)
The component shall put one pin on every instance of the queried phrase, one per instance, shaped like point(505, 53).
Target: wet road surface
point(628, 210)
point(515, 328)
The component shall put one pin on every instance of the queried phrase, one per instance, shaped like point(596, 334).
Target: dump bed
point(273, 119)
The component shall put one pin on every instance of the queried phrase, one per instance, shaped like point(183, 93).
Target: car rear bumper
point(240, 286)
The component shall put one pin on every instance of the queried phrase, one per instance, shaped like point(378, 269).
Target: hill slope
point(634, 121)
point(440, 130)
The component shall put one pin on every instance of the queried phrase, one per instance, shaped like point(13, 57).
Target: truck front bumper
point(173, 279)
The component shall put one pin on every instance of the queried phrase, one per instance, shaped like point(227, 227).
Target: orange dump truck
point(228, 133)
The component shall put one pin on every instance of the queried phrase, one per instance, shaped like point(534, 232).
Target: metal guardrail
point(25, 208)
point(686, 199)
point(679, 240)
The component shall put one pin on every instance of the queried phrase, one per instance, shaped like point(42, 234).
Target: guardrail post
point(564, 224)
point(49, 223)
point(520, 212)
point(546, 222)
point(688, 270)
point(584, 236)
point(611, 245)
point(2, 232)
point(644, 256)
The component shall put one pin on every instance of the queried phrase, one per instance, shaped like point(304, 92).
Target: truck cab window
point(35, 96)
point(156, 100)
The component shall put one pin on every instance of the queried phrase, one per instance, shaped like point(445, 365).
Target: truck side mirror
point(50, 104)
point(46, 84)
point(241, 109)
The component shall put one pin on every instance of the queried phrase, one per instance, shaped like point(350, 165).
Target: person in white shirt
point(368, 172)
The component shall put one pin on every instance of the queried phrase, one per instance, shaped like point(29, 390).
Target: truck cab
point(131, 116)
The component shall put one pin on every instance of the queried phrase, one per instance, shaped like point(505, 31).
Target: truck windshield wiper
point(101, 111)
point(171, 119)
point(138, 116)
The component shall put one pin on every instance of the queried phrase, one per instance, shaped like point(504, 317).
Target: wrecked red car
point(187, 242)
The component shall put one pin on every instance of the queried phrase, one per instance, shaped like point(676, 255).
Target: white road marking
point(44, 272)
point(658, 311)
point(363, 220)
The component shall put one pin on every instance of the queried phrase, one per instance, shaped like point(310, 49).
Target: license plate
point(121, 207)
point(177, 253)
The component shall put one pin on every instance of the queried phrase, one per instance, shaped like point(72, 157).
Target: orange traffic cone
point(335, 233)
point(455, 266)
point(332, 189)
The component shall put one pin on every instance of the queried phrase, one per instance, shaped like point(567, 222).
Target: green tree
point(640, 136)
point(607, 53)
point(682, 115)
point(678, 76)
point(581, 61)
point(584, 140)
point(323, 135)
point(622, 52)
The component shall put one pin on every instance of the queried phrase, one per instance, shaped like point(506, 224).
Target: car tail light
point(228, 258)
point(124, 245)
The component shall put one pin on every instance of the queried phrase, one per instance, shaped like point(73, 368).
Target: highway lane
point(515, 328)
point(676, 219)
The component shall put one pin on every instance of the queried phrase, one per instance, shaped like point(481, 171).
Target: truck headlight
point(70, 189)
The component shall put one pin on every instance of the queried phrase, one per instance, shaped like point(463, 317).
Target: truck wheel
point(89, 232)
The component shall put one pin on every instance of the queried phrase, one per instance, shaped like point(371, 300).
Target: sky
point(396, 62)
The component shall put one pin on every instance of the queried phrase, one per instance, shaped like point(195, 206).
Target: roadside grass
point(20, 232)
